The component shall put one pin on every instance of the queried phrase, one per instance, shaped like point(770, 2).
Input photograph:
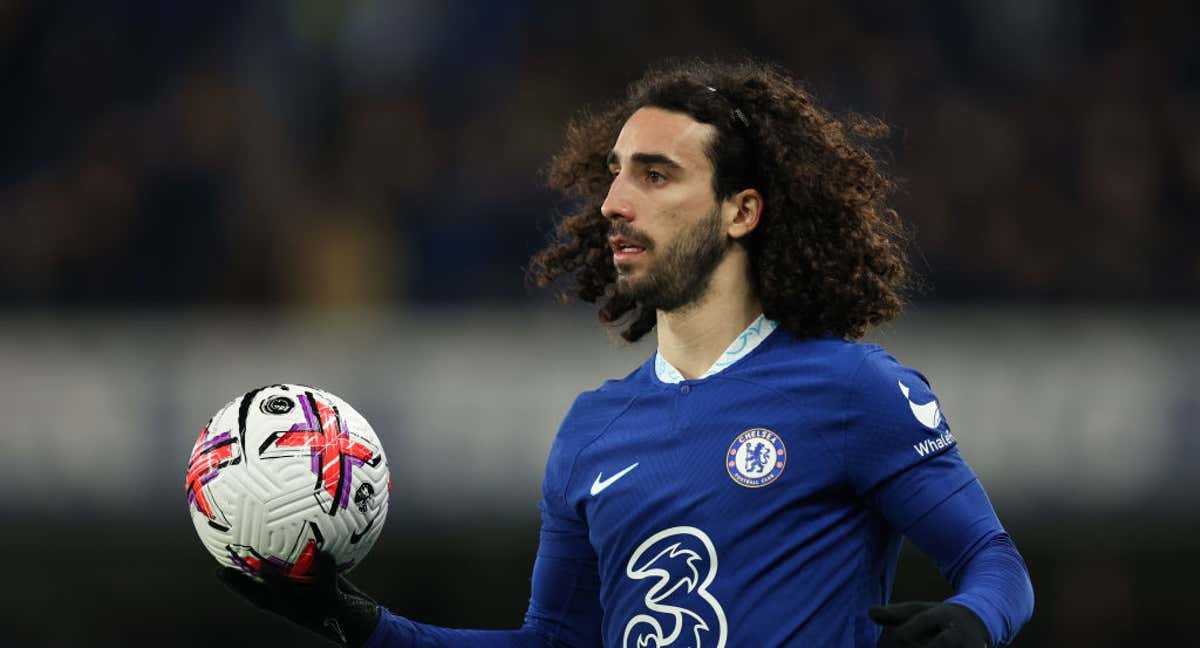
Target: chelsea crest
point(756, 458)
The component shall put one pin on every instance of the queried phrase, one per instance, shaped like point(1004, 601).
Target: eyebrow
point(645, 158)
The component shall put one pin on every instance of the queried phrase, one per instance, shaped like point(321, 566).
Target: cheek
point(684, 206)
point(699, 201)
point(685, 215)
point(666, 227)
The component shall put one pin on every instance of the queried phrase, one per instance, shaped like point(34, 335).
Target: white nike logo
point(600, 484)
point(928, 414)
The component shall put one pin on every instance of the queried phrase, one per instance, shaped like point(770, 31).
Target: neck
point(693, 337)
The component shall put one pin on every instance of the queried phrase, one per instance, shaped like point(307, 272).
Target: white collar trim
point(748, 341)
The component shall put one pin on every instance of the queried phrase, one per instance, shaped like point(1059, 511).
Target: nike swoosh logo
point(356, 536)
point(928, 414)
point(600, 484)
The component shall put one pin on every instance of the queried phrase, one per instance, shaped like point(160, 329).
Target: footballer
point(748, 486)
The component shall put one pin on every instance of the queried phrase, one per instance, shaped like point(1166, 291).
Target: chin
point(625, 276)
point(629, 286)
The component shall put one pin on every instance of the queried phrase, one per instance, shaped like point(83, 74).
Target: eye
point(654, 177)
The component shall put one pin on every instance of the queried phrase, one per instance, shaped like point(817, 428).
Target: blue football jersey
point(760, 505)
point(748, 507)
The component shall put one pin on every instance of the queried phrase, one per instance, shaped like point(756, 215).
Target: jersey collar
point(749, 340)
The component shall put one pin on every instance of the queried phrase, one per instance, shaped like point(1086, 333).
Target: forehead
point(676, 135)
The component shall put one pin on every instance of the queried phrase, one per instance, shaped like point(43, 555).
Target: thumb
point(324, 571)
point(897, 613)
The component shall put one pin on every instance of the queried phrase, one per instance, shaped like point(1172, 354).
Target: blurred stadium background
point(198, 198)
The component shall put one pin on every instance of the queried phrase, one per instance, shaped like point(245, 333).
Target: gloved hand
point(922, 624)
point(328, 605)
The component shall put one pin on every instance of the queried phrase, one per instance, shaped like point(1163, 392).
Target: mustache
point(626, 232)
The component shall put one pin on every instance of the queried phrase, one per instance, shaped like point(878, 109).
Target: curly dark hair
point(828, 256)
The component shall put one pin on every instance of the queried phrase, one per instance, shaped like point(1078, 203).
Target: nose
point(617, 204)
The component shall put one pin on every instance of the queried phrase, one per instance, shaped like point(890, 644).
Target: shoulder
point(877, 369)
point(833, 373)
point(593, 411)
point(833, 362)
point(892, 394)
point(589, 417)
point(848, 360)
point(605, 402)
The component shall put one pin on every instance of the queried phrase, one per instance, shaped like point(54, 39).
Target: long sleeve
point(564, 607)
point(973, 551)
point(902, 457)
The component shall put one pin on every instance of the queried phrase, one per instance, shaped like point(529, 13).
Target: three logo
point(683, 563)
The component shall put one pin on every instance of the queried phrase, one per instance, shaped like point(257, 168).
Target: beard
point(680, 274)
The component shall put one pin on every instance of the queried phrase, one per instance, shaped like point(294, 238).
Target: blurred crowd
point(333, 154)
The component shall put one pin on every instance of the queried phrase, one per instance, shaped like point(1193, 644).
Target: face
point(668, 234)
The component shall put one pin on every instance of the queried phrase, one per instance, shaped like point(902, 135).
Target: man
point(749, 485)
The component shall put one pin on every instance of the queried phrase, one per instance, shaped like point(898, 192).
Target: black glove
point(921, 624)
point(329, 605)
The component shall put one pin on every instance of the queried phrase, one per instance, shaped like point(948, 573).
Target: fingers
point(897, 613)
point(922, 628)
point(948, 638)
point(256, 593)
point(346, 586)
point(324, 574)
point(324, 564)
point(318, 571)
point(235, 580)
point(887, 640)
point(927, 625)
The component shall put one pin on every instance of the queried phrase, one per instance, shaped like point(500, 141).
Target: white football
point(282, 473)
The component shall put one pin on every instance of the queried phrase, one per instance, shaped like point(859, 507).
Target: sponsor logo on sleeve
point(928, 414)
point(930, 446)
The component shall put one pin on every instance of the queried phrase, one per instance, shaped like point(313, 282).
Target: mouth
point(625, 249)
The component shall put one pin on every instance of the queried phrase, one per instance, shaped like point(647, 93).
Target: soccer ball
point(282, 473)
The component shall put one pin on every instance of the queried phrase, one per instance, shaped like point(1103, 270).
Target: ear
point(749, 206)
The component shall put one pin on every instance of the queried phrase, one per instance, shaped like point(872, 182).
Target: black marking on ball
point(277, 405)
point(362, 497)
point(243, 412)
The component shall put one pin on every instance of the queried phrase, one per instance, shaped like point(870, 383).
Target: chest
point(728, 459)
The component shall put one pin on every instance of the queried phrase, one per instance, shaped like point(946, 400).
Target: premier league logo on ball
point(756, 458)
